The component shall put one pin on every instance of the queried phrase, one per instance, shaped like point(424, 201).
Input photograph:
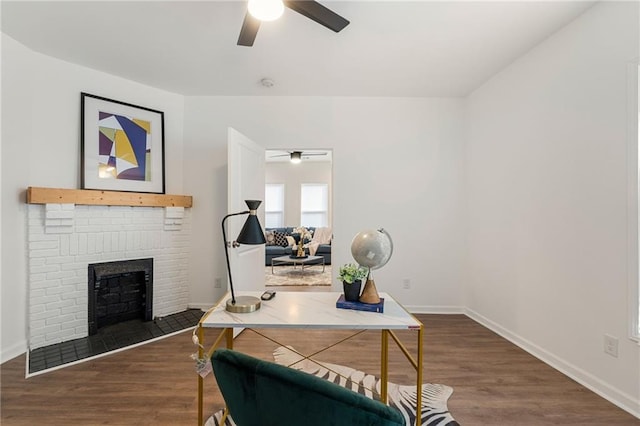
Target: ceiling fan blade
point(317, 12)
point(304, 154)
point(249, 30)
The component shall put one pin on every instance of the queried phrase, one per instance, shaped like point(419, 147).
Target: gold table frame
point(238, 321)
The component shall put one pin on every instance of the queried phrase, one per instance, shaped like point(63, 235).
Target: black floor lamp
point(251, 233)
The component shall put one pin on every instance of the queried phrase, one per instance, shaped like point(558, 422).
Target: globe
point(372, 248)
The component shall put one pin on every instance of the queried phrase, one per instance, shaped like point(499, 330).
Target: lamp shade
point(251, 232)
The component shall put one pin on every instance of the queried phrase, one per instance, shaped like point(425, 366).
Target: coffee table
point(315, 310)
point(288, 260)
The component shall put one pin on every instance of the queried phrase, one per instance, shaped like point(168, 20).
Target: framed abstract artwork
point(122, 146)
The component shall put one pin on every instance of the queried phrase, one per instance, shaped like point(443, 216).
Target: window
point(274, 205)
point(314, 204)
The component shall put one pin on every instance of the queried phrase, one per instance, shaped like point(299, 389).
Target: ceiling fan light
point(266, 10)
point(296, 157)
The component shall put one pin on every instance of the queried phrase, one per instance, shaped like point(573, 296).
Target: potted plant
point(351, 276)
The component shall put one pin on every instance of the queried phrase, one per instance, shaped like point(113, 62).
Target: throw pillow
point(280, 239)
point(291, 241)
point(270, 237)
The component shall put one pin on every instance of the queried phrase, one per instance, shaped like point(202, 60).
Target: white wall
point(293, 176)
point(17, 69)
point(398, 164)
point(41, 147)
point(547, 194)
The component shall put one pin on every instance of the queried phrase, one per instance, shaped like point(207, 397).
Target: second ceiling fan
point(296, 156)
point(309, 8)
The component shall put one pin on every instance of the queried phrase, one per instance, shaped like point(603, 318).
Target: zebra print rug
point(434, 396)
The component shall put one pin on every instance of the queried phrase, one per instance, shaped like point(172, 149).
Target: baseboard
point(13, 351)
point(421, 309)
point(620, 399)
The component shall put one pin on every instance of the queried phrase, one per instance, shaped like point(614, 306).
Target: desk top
point(310, 310)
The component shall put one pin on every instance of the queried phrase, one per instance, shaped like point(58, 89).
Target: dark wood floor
point(494, 382)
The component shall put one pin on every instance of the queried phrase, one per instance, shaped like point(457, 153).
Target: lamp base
point(243, 305)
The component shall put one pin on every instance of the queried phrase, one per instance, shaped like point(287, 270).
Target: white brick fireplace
point(65, 238)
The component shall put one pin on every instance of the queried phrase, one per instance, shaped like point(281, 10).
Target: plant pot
point(352, 291)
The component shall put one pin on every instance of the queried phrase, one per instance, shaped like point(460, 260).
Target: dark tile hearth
point(110, 338)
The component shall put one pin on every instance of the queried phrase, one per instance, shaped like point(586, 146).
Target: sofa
point(276, 250)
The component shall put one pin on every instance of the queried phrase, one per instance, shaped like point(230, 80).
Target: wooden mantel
point(90, 197)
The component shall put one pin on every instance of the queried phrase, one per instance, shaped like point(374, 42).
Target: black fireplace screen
point(120, 291)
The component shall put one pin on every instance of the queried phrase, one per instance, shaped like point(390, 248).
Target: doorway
point(298, 219)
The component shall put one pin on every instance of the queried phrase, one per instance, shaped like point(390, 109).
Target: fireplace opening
point(120, 291)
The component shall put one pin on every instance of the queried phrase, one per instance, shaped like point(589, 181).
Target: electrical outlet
point(611, 345)
point(406, 283)
point(218, 283)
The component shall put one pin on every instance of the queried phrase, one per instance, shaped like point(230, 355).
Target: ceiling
point(391, 48)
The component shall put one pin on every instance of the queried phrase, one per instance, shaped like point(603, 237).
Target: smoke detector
point(267, 82)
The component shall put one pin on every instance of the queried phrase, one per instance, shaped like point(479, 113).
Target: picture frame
point(121, 146)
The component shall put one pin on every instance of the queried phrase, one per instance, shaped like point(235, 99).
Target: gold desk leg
point(419, 384)
point(200, 379)
point(229, 332)
point(384, 367)
point(225, 414)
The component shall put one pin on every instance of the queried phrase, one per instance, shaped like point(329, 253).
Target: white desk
point(316, 310)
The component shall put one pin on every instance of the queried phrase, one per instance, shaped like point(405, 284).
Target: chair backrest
point(261, 393)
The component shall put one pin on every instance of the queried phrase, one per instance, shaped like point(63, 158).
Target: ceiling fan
point(296, 156)
point(309, 8)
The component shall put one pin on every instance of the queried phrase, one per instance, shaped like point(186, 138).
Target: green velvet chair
point(261, 393)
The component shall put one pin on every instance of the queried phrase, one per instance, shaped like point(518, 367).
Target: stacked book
point(359, 306)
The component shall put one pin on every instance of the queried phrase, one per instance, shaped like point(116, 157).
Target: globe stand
point(372, 249)
point(370, 293)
